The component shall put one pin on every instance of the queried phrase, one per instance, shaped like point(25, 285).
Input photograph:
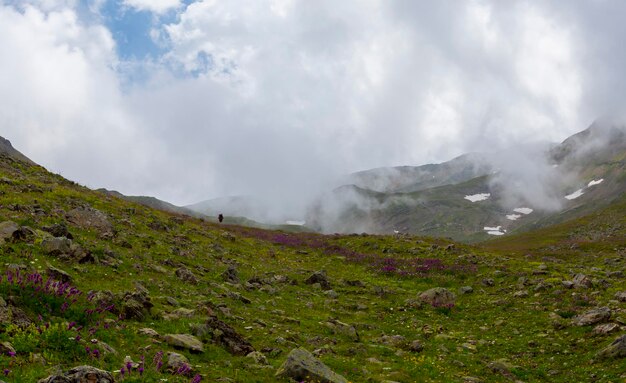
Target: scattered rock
point(621, 296)
point(13, 315)
point(520, 294)
point(302, 366)
point(230, 275)
point(438, 297)
point(355, 283)
point(185, 341)
point(58, 230)
point(606, 328)
point(332, 294)
point(136, 305)
point(416, 346)
point(175, 361)
point(319, 277)
point(392, 340)
point(568, 284)
point(90, 218)
point(6, 348)
point(81, 374)
point(58, 274)
point(617, 349)
point(186, 275)
point(227, 337)
point(598, 315)
point(56, 246)
point(466, 290)
point(148, 332)
point(178, 314)
point(342, 328)
point(582, 281)
point(489, 282)
point(258, 358)
point(7, 229)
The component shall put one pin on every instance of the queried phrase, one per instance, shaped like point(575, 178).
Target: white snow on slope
point(575, 194)
point(523, 210)
point(595, 182)
point(296, 223)
point(513, 217)
point(494, 230)
point(477, 197)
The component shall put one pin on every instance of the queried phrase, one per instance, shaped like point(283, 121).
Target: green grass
point(484, 326)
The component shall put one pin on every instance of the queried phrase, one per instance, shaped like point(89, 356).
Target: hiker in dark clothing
point(220, 218)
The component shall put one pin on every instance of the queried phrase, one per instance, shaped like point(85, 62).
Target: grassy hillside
point(510, 321)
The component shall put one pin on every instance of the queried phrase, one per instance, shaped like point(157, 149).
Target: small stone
point(466, 290)
point(416, 346)
point(258, 358)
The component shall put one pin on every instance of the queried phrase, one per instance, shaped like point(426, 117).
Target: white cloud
point(156, 6)
point(279, 96)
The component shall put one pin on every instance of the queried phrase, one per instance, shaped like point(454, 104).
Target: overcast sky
point(190, 100)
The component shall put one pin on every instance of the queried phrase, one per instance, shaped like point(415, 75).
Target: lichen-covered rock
point(90, 218)
point(617, 349)
point(319, 277)
point(438, 297)
point(302, 366)
point(58, 274)
point(598, 315)
point(81, 374)
point(185, 341)
point(136, 306)
point(186, 275)
point(226, 336)
point(7, 229)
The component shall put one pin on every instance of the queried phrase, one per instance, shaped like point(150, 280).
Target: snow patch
point(513, 217)
point(296, 223)
point(494, 230)
point(595, 182)
point(575, 194)
point(487, 228)
point(477, 197)
point(523, 210)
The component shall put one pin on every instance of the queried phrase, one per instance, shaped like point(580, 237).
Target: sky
point(192, 100)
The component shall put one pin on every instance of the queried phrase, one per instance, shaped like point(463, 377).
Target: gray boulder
point(7, 229)
point(302, 366)
point(184, 341)
point(438, 297)
point(81, 374)
point(598, 315)
point(90, 218)
point(319, 277)
point(186, 275)
point(617, 349)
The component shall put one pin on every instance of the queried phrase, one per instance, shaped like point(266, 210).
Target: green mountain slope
point(142, 274)
point(581, 175)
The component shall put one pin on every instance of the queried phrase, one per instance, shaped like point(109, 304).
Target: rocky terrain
point(96, 288)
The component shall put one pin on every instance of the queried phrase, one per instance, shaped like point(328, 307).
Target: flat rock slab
point(185, 341)
point(302, 366)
